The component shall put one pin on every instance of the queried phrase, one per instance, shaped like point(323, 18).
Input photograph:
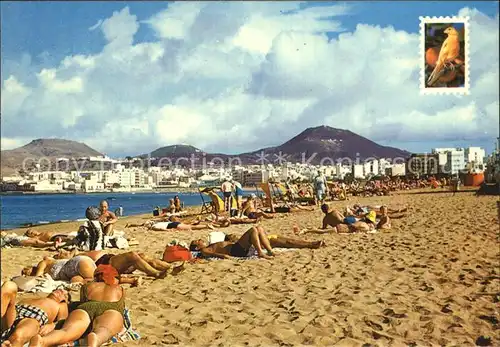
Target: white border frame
point(462, 90)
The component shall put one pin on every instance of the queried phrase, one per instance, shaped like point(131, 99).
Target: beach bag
point(176, 253)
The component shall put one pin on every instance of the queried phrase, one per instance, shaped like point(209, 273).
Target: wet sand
point(433, 279)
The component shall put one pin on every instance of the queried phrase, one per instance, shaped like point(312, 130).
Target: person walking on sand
point(321, 187)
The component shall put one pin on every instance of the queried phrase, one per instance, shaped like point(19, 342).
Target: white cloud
point(239, 76)
point(96, 25)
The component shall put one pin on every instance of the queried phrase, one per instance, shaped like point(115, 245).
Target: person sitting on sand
point(385, 221)
point(248, 209)
point(177, 204)
point(125, 263)
point(14, 240)
point(77, 269)
point(254, 239)
point(101, 309)
point(36, 316)
point(107, 218)
point(171, 206)
point(175, 223)
point(8, 303)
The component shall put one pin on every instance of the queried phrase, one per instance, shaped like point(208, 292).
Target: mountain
point(174, 150)
point(12, 160)
point(316, 145)
point(328, 144)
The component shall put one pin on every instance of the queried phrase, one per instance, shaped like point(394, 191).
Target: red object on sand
point(176, 253)
point(109, 273)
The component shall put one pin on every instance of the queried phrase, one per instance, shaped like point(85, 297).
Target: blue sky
point(37, 35)
point(49, 31)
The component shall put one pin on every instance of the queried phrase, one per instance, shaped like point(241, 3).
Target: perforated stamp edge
point(439, 91)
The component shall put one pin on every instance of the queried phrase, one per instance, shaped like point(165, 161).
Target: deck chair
point(207, 205)
point(215, 201)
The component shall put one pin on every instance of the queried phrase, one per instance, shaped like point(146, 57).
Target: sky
point(129, 77)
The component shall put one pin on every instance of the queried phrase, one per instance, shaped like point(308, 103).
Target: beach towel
point(45, 284)
point(128, 333)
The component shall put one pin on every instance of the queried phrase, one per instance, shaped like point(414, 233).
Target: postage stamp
point(444, 50)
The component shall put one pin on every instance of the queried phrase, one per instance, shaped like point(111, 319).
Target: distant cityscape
point(124, 178)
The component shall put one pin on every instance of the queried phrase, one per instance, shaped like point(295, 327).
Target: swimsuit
point(104, 260)
point(65, 270)
point(96, 308)
point(166, 225)
point(238, 251)
point(57, 267)
point(252, 215)
point(25, 311)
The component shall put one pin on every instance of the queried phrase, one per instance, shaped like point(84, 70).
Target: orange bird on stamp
point(450, 50)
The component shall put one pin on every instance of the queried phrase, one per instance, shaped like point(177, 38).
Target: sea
point(35, 209)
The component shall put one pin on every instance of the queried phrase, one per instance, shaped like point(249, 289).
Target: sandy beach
point(433, 279)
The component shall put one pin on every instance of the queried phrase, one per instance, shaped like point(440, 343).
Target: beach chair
point(206, 206)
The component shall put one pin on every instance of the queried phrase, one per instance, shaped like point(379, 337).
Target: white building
point(455, 161)
point(474, 154)
point(370, 168)
point(396, 170)
point(358, 171)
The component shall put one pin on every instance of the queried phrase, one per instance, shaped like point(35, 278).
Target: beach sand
point(431, 280)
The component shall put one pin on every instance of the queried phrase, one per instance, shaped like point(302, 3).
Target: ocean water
point(17, 210)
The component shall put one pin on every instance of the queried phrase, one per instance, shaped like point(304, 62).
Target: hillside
point(12, 160)
point(328, 144)
point(313, 144)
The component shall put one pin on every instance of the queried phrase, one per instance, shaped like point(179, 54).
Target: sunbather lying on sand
point(223, 222)
point(341, 223)
point(172, 223)
point(8, 303)
point(35, 316)
point(47, 235)
point(175, 223)
point(14, 240)
point(126, 263)
point(277, 241)
point(77, 269)
point(102, 307)
point(248, 209)
point(254, 238)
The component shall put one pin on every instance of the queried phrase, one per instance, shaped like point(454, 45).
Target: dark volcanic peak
point(174, 150)
point(325, 142)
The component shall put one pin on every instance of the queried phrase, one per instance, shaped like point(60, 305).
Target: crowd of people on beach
point(83, 259)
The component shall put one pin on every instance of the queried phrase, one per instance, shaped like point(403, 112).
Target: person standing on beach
point(321, 187)
point(227, 191)
point(107, 218)
point(238, 193)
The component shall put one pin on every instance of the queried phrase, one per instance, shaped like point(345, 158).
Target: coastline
point(156, 190)
point(75, 224)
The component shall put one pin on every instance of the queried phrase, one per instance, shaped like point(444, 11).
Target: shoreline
point(157, 190)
